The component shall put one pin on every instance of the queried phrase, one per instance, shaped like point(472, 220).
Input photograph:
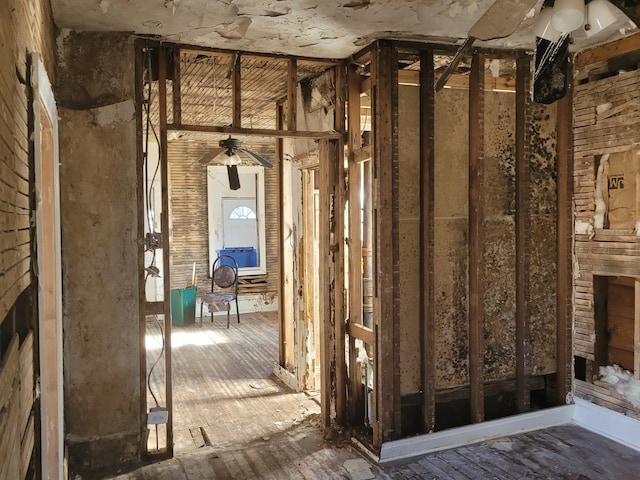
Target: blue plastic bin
point(244, 256)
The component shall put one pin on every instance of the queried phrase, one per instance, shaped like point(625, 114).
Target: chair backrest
point(224, 274)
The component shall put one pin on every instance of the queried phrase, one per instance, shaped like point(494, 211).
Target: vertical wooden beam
point(339, 102)
point(326, 180)
point(175, 84)
point(387, 424)
point(427, 239)
point(281, 241)
point(523, 76)
point(236, 90)
point(601, 322)
point(476, 237)
point(166, 257)
point(636, 331)
point(337, 247)
point(292, 95)
point(142, 297)
point(356, 404)
point(564, 276)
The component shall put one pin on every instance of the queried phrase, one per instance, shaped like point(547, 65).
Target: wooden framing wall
point(529, 126)
point(606, 93)
point(169, 113)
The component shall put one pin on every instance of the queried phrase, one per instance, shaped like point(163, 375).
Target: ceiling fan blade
point(234, 179)
point(210, 155)
point(500, 20)
point(255, 156)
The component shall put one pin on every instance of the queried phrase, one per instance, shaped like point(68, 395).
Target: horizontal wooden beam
point(260, 132)
point(411, 77)
point(361, 333)
point(601, 53)
point(154, 308)
point(362, 154)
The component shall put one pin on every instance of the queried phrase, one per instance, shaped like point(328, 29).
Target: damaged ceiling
point(320, 29)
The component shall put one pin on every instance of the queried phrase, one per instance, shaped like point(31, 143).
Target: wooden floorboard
point(258, 428)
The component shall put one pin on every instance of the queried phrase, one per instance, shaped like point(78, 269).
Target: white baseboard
point(479, 432)
point(608, 423)
point(286, 377)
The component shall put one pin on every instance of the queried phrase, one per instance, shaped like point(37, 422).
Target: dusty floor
point(254, 427)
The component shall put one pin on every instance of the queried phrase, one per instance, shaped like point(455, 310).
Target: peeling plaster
point(120, 112)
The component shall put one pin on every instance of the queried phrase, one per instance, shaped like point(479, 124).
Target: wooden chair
point(224, 287)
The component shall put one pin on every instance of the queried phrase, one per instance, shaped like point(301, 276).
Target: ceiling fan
point(227, 154)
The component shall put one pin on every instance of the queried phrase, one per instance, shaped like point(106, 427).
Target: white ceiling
point(320, 28)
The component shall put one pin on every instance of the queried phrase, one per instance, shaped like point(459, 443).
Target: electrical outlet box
point(157, 416)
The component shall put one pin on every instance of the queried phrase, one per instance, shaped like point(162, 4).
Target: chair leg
point(237, 311)
point(201, 308)
point(228, 313)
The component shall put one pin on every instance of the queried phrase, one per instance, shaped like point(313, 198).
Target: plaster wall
point(100, 249)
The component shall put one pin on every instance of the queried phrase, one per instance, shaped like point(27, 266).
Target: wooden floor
point(233, 420)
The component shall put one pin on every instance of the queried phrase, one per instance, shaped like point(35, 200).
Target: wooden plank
point(166, 250)
point(340, 74)
point(9, 371)
point(260, 132)
point(176, 89)
point(476, 238)
point(355, 242)
point(362, 333)
point(427, 240)
point(26, 380)
point(324, 278)
point(26, 448)
point(292, 95)
point(337, 247)
point(604, 52)
point(387, 423)
point(523, 76)
point(636, 330)
point(564, 227)
point(236, 91)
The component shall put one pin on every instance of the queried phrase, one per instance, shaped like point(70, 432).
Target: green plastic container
point(183, 306)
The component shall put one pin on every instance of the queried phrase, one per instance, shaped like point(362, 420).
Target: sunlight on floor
point(183, 338)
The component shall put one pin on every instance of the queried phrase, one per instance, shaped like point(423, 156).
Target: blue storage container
point(244, 256)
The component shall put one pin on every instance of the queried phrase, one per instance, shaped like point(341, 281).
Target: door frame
point(48, 241)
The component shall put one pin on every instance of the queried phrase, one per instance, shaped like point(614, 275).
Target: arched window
point(242, 212)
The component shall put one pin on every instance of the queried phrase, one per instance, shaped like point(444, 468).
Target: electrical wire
point(155, 399)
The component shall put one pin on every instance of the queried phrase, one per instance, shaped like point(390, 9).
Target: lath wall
point(606, 110)
point(25, 26)
point(189, 218)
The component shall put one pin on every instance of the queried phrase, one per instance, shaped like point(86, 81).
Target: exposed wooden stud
point(362, 333)
point(339, 123)
point(427, 239)
point(324, 278)
point(281, 241)
point(636, 330)
point(292, 95)
point(600, 323)
point(476, 238)
point(384, 68)
point(166, 257)
point(337, 247)
point(236, 90)
point(142, 296)
point(175, 85)
point(523, 75)
point(260, 132)
point(356, 400)
point(564, 278)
